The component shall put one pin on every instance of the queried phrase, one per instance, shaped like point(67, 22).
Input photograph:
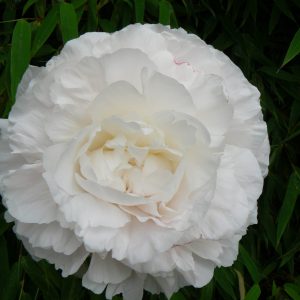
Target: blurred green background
point(263, 39)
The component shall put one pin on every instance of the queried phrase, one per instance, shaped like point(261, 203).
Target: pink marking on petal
point(177, 62)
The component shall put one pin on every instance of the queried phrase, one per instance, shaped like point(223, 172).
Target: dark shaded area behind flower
point(255, 35)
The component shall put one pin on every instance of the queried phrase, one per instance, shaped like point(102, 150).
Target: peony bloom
point(139, 155)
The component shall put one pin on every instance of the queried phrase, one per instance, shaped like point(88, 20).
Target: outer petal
point(131, 288)
point(232, 191)
point(26, 129)
point(221, 252)
point(63, 125)
point(202, 274)
point(69, 264)
point(86, 211)
point(130, 37)
point(171, 282)
point(129, 239)
point(126, 63)
point(31, 73)
point(49, 236)
point(119, 99)
point(213, 108)
point(84, 46)
point(99, 239)
point(165, 93)
point(181, 131)
point(103, 271)
point(251, 134)
point(8, 161)
point(29, 205)
point(76, 84)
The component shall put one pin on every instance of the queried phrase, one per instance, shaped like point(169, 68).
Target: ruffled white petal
point(29, 205)
point(31, 73)
point(86, 211)
point(62, 126)
point(77, 84)
point(126, 63)
point(49, 236)
point(130, 37)
point(26, 130)
point(165, 93)
point(103, 271)
point(202, 273)
point(213, 108)
point(131, 288)
point(84, 46)
point(221, 220)
point(9, 161)
point(68, 264)
point(251, 134)
point(221, 252)
point(132, 237)
point(119, 99)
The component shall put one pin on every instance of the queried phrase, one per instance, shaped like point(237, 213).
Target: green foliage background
point(256, 35)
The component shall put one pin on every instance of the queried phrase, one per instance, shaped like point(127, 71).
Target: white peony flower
point(143, 150)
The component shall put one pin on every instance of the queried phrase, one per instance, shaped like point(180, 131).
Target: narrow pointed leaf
point(294, 48)
point(20, 53)
point(287, 208)
point(68, 22)
point(139, 6)
point(165, 11)
point(12, 283)
point(43, 32)
point(28, 4)
point(253, 293)
point(249, 263)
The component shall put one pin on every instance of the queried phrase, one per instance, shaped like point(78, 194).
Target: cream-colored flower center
point(140, 165)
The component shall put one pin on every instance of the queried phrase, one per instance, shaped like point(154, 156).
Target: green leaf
point(68, 22)
point(45, 30)
point(288, 256)
point(295, 113)
point(139, 6)
point(280, 74)
point(178, 296)
point(40, 8)
point(71, 288)
point(292, 290)
point(34, 272)
point(78, 3)
point(107, 25)
point(253, 293)
point(165, 11)
point(12, 284)
point(25, 296)
point(39, 277)
point(275, 289)
point(287, 208)
point(92, 15)
point(283, 6)
point(207, 292)
point(294, 48)
point(249, 263)
point(4, 263)
point(52, 277)
point(224, 279)
point(28, 4)
point(20, 54)
point(274, 19)
point(3, 225)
